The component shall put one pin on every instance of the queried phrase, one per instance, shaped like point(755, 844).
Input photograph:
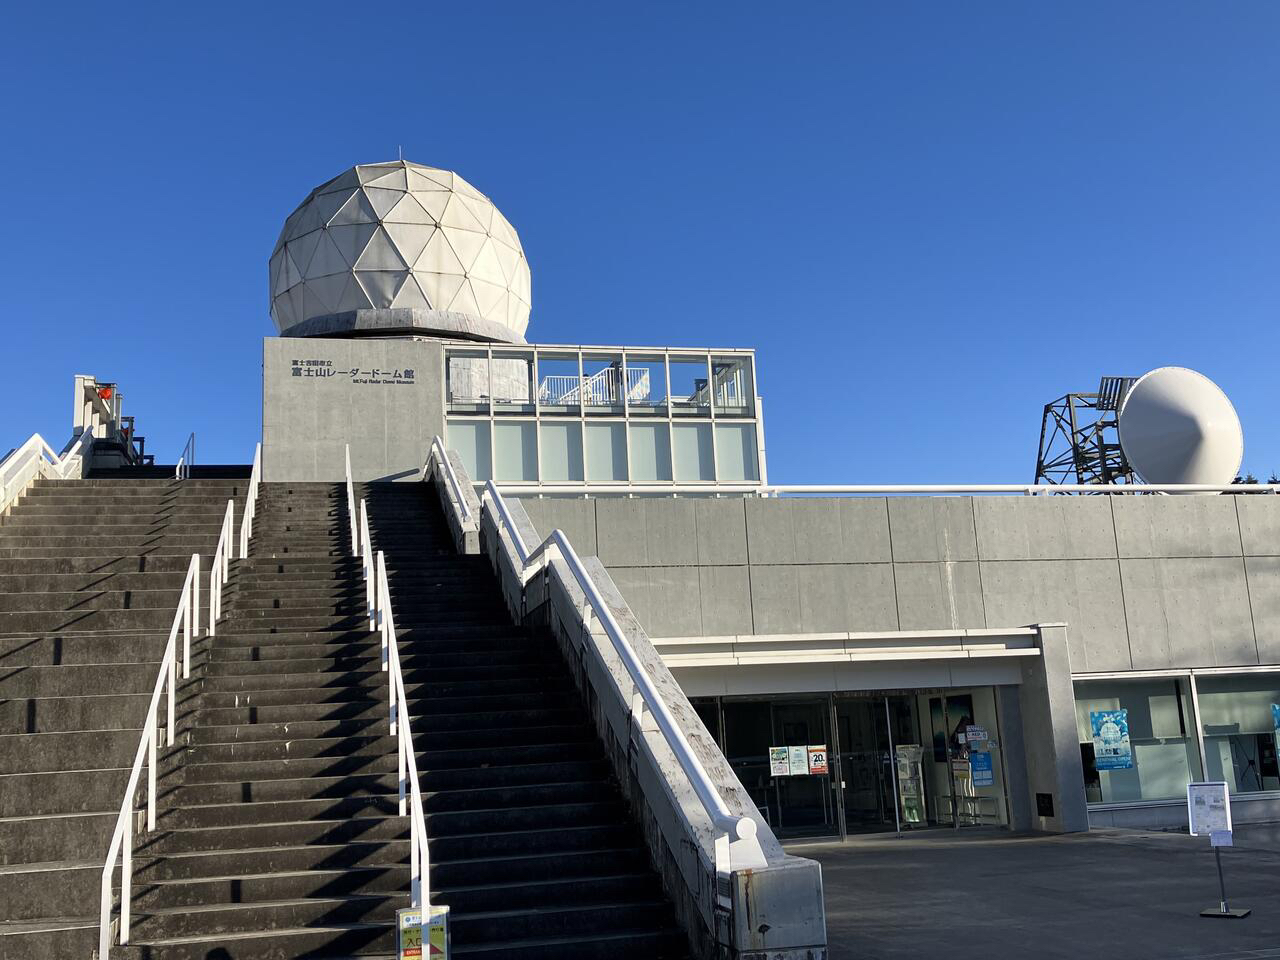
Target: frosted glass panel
point(691, 443)
point(470, 439)
point(650, 452)
point(515, 452)
point(736, 452)
point(606, 452)
point(561, 452)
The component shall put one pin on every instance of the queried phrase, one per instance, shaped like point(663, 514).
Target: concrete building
point(879, 627)
point(651, 660)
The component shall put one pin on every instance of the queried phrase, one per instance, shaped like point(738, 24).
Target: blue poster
point(980, 769)
point(1111, 749)
point(1275, 719)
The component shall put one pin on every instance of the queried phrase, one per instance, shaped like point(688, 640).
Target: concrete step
point(75, 601)
point(146, 561)
point(75, 582)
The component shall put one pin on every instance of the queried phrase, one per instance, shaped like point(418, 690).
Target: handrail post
point(126, 875)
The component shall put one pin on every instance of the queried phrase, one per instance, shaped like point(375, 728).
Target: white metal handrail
point(35, 458)
point(220, 567)
point(251, 502)
point(351, 506)
point(407, 762)
point(188, 456)
point(440, 455)
point(382, 619)
point(187, 620)
point(727, 825)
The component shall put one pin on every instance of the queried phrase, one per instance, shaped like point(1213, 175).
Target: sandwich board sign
point(423, 937)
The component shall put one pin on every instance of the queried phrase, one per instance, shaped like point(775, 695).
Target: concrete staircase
point(282, 839)
point(90, 573)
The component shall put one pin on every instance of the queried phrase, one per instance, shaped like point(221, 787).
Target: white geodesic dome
point(393, 235)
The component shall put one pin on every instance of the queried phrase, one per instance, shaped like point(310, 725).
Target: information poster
point(779, 766)
point(818, 758)
point(1275, 720)
point(798, 760)
point(415, 934)
point(1209, 809)
point(1111, 749)
point(980, 768)
point(911, 782)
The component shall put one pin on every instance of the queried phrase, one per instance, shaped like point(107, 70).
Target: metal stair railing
point(188, 456)
point(736, 844)
point(187, 620)
point(382, 619)
point(251, 501)
point(438, 454)
point(34, 459)
point(220, 567)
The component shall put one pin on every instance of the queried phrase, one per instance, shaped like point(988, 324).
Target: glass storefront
point(832, 765)
point(1240, 719)
point(1137, 739)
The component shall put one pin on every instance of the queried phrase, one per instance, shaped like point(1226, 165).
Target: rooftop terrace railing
point(873, 489)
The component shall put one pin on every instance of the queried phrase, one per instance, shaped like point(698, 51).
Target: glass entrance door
point(778, 750)
point(872, 729)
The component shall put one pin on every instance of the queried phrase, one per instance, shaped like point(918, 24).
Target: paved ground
point(1108, 895)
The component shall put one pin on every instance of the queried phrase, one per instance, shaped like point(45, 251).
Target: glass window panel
point(467, 373)
point(1164, 754)
point(515, 451)
point(650, 452)
point(559, 383)
point(646, 384)
point(561, 451)
point(470, 439)
point(606, 452)
point(736, 452)
point(690, 393)
point(734, 390)
point(1240, 716)
point(511, 382)
point(694, 459)
point(602, 387)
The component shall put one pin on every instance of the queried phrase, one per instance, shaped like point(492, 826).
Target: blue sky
point(929, 218)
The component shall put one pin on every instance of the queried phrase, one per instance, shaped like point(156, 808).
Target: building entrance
point(839, 764)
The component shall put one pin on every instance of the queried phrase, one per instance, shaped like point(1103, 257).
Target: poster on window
point(818, 759)
point(1111, 749)
point(779, 766)
point(1275, 720)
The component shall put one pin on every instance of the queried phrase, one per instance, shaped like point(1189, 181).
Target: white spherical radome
point(399, 235)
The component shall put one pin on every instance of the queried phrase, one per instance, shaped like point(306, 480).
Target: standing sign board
point(1209, 812)
point(423, 937)
point(1209, 815)
point(1111, 748)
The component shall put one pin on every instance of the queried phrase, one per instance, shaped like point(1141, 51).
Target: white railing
point(251, 502)
point(220, 567)
point(351, 507)
point(602, 388)
point(439, 455)
point(188, 456)
point(407, 763)
point(187, 620)
point(871, 489)
point(736, 844)
point(34, 459)
point(382, 619)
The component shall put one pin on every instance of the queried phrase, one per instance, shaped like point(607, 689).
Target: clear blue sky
point(929, 218)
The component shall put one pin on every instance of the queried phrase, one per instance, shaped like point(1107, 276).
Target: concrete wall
point(1143, 582)
point(383, 397)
